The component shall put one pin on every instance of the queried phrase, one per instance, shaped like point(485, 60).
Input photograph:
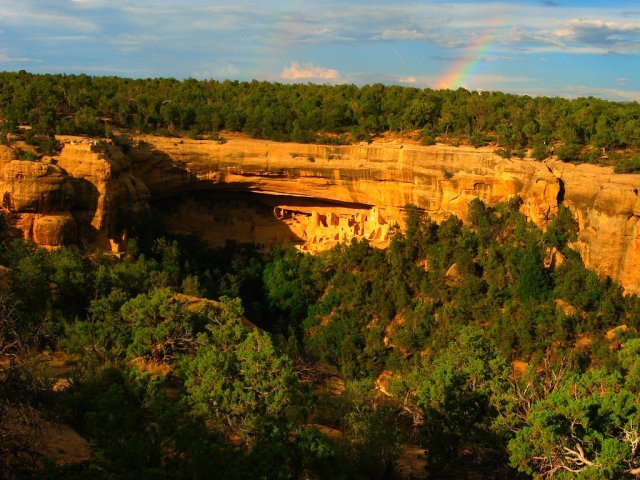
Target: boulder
point(34, 187)
point(55, 230)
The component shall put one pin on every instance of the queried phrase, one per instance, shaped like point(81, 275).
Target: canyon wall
point(607, 208)
point(84, 195)
point(354, 179)
point(313, 195)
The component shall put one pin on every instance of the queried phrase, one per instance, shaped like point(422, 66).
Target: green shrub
point(504, 152)
point(540, 151)
point(569, 152)
point(25, 155)
point(628, 165)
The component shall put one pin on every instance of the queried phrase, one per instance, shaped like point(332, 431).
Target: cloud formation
point(609, 36)
point(308, 71)
point(404, 41)
point(400, 34)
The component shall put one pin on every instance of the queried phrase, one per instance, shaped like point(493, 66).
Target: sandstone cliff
point(78, 196)
point(268, 193)
point(607, 208)
point(439, 179)
point(105, 190)
point(359, 191)
point(39, 197)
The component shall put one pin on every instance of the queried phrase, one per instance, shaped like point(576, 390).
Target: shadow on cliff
point(163, 175)
point(85, 210)
point(207, 205)
point(196, 198)
point(225, 215)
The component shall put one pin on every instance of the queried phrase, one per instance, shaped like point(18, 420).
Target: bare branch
point(578, 458)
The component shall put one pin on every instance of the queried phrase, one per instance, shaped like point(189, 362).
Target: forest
point(444, 314)
point(486, 344)
point(581, 130)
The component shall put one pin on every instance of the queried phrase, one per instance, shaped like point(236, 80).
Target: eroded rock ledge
point(314, 195)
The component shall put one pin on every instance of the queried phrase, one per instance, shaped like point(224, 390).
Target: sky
point(535, 47)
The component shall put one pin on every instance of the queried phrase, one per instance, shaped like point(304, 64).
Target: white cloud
point(24, 14)
point(129, 42)
point(419, 81)
point(598, 34)
point(298, 71)
point(5, 56)
point(400, 34)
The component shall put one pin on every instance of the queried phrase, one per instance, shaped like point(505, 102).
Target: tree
point(533, 280)
point(160, 325)
point(458, 392)
point(587, 428)
point(238, 377)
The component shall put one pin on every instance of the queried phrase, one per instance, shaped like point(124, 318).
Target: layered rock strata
point(441, 180)
point(39, 197)
point(107, 194)
point(607, 209)
point(78, 196)
point(313, 195)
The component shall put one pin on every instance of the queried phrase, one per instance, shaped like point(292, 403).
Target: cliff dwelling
point(268, 220)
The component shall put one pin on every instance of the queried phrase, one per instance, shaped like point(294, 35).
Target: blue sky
point(536, 47)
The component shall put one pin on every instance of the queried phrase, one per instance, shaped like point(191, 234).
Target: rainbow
point(466, 66)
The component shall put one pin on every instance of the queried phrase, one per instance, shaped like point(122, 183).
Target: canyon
point(314, 196)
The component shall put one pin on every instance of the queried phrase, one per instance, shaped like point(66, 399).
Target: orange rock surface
point(359, 191)
point(313, 195)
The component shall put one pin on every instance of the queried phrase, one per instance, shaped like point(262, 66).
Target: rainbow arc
point(466, 67)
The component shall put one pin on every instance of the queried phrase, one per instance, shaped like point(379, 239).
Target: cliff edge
point(313, 195)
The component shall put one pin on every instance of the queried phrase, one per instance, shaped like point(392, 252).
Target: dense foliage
point(167, 384)
point(588, 129)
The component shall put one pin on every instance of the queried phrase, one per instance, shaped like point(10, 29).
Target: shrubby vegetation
point(588, 129)
point(488, 344)
point(166, 384)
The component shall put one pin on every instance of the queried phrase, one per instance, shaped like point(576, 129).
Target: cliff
point(607, 208)
point(107, 194)
point(348, 191)
point(39, 197)
point(269, 193)
point(84, 195)
point(370, 184)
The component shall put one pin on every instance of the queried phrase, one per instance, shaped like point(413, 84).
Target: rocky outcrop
point(312, 195)
point(439, 179)
point(39, 197)
point(369, 185)
point(607, 208)
point(35, 187)
point(105, 190)
point(78, 196)
point(6, 154)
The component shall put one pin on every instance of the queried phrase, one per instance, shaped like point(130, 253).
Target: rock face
point(105, 190)
point(440, 180)
point(78, 196)
point(315, 196)
point(39, 197)
point(368, 185)
point(34, 187)
point(607, 208)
